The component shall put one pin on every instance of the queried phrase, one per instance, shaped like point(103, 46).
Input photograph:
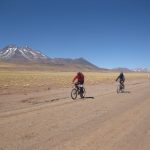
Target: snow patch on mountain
point(12, 52)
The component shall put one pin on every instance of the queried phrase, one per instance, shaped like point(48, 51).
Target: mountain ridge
point(26, 55)
point(29, 58)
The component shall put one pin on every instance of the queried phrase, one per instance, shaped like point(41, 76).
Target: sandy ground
point(51, 120)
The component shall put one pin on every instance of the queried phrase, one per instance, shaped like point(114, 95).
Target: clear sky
point(108, 33)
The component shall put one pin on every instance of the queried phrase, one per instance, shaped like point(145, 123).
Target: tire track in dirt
point(37, 105)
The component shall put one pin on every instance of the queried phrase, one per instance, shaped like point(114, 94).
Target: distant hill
point(26, 57)
point(141, 69)
point(131, 70)
point(121, 69)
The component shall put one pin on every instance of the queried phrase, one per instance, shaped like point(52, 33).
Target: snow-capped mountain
point(19, 55)
point(141, 69)
point(14, 53)
point(131, 70)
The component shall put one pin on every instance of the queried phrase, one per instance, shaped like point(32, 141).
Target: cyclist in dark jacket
point(121, 79)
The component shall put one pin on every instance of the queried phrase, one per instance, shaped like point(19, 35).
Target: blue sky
point(109, 33)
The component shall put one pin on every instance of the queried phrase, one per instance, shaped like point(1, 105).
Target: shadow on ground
point(127, 92)
point(89, 97)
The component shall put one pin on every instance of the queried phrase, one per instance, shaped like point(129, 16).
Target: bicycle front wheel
point(118, 88)
point(74, 94)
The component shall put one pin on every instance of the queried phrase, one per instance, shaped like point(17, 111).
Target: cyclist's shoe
point(81, 95)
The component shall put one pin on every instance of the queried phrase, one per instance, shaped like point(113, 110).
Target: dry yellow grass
point(27, 81)
point(109, 77)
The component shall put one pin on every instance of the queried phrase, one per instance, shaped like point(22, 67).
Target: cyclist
point(80, 80)
point(121, 79)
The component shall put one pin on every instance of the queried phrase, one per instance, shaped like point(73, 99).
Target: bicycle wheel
point(118, 88)
point(74, 94)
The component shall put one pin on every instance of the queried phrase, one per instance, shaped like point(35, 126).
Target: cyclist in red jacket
point(79, 77)
point(80, 80)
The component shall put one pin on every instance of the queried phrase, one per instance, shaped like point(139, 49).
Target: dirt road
point(52, 121)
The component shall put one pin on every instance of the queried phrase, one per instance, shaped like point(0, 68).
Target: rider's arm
point(74, 78)
point(117, 78)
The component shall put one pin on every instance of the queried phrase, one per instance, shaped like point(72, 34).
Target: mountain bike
point(77, 89)
point(120, 88)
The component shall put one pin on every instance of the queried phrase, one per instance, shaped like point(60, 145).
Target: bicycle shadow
point(88, 97)
point(126, 92)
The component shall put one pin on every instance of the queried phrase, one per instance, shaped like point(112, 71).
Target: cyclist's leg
point(122, 84)
point(81, 87)
point(76, 85)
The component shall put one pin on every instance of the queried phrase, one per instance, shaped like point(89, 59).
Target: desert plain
point(37, 112)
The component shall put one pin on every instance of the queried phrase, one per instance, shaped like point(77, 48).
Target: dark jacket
point(121, 77)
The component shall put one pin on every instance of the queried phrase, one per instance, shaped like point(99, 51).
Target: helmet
point(79, 73)
point(121, 73)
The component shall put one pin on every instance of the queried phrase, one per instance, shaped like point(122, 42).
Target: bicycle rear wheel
point(74, 94)
point(82, 95)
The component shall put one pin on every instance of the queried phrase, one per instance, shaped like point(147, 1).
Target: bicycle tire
point(118, 89)
point(74, 94)
point(82, 95)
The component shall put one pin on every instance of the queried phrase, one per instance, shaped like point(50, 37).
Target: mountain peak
point(13, 53)
point(25, 53)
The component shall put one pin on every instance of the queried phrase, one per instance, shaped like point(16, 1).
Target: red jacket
point(80, 78)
